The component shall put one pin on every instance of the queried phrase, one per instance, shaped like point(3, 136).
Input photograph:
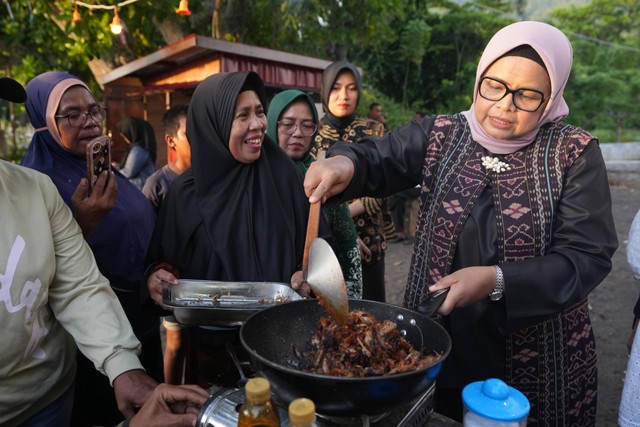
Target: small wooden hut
point(149, 86)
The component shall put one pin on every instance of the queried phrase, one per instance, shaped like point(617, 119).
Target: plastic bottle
point(302, 413)
point(493, 403)
point(258, 410)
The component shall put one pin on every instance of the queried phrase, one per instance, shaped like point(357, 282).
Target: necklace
point(495, 164)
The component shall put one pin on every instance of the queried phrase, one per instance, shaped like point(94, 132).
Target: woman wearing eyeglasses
point(116, 221)
point(292, 122)
point(515, 221)
point(340, 91)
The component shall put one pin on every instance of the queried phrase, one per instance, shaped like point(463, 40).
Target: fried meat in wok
point(363, 347)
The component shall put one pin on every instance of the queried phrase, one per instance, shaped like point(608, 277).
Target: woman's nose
point(298, 131)
point(507, 103)
point(257, 123)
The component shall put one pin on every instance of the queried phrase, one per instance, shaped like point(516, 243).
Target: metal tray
point(211, 303)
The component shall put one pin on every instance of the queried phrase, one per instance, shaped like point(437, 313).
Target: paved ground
point(611, 303)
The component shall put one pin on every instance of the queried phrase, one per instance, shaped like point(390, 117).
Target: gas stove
point(221, 410)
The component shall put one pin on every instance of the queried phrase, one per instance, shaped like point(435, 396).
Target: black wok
point(270, 335)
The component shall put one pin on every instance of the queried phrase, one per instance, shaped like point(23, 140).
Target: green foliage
point(417, 54)
point(604, 88)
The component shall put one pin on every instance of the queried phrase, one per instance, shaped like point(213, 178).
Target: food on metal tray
point(279, 299)
point(216, 299)
point(363, 347)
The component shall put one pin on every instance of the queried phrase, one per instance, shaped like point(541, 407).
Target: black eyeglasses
point(307, 129)
point(524, 99)
point(77, 120)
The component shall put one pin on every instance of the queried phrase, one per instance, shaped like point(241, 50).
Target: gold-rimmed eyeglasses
point(307, 129)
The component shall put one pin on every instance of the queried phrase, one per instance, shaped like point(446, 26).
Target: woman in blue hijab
point(116, 220)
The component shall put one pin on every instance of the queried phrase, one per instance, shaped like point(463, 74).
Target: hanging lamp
point(183, 9)
point(116, 25)
point(76, 14)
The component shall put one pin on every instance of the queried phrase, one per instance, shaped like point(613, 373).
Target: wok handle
point(312, 226)
point(433, 302)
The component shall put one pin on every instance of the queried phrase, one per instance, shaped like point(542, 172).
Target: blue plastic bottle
point(493, 403)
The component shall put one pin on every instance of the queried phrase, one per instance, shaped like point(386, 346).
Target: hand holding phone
point(98, 158)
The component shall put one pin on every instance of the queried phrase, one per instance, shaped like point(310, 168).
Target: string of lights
point(116, 24)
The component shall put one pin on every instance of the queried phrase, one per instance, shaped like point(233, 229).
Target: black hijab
point(329, 76)
point(139, 132)
point(225, 220)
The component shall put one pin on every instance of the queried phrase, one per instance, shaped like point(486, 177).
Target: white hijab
point(555, 50)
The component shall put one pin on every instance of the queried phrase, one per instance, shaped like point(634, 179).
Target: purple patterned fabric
point(554, 360)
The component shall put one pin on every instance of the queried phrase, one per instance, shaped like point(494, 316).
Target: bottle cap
point(495, 400)
point(302, 412)
point(257, 390)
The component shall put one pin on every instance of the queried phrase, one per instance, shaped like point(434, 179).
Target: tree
point(604, 90)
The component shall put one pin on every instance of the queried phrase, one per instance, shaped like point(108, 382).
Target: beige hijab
point(555, 50)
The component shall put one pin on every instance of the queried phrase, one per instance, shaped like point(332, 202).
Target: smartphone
point(98, 158)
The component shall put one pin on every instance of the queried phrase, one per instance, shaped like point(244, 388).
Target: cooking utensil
point(313, 223)
point(232, 352)
point(321, 268)
point(326, 280)
point(214, 303)
point(271, 335)
point(433, 302)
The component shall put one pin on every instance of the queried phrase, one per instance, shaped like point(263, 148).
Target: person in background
point(239, 214)
point(629, 412)
point(54, 298)
point(116, 221)
point(292, 121)
point(175, 135)
point(398, 204)
point(515, 222)
point(140, 159)
point(156, 187)
point(375, 113)
point(340, 92)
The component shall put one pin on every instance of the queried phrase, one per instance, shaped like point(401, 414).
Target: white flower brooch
point(495, 164)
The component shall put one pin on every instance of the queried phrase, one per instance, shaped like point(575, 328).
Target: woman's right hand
point(154, 284)
point(365, 252)
point(326, 178)
point(300, 285)
point(90, 209)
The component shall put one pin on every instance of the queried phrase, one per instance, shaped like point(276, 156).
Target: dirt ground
point(611, 303)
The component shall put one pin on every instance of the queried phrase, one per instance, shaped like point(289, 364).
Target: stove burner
point(363, 421)
point(414, 414)
point(221, 410)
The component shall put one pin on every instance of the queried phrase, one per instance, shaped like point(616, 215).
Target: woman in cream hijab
point(515, 222)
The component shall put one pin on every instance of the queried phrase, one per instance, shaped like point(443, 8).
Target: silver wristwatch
point(498, 291)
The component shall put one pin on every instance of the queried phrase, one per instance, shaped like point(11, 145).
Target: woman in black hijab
point(240, 212)
point(140, 160)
